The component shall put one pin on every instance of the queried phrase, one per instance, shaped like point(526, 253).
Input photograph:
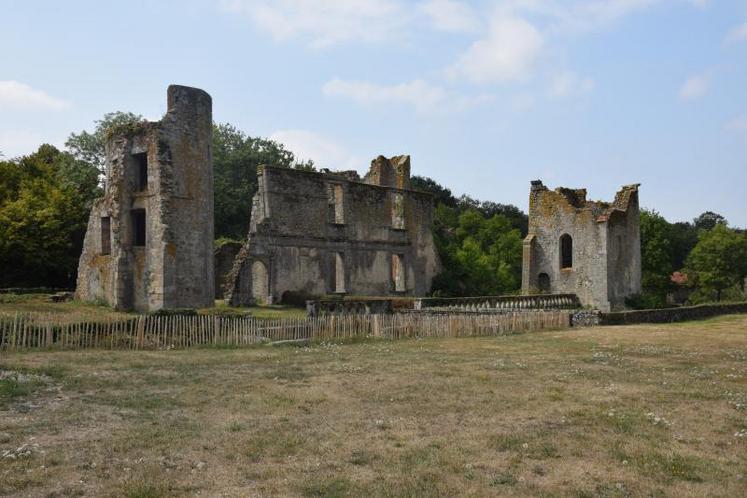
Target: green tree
point(236, 157)
point(89, 147)
point(441, 195)
point(480, 256)
point(684, 237)
point(708, 221)
point(719, 259)
point(656, 254)
point(44, 204)
point(479, 243)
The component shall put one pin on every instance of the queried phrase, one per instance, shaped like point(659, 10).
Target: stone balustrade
point(484, 303)
point(348, 307)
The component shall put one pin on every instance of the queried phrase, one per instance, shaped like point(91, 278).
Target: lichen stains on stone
point(605, 245)
point(331, 233)
point(159, 199)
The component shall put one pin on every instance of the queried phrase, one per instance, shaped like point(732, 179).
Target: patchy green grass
point(262, 312)
point(656, 410)
point(39, 303)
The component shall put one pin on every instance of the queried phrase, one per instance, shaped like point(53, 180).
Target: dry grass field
point(616, 411)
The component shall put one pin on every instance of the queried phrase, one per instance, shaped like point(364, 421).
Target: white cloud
point(580, 15)
point(738, 124)
point(449, 15)
point(418, 93)
point(325, 152)
point(694, 87)
point(324, 22)
point(424, 97)
point(14, 143)
point(737, 34)
point(522, 102)
point(701, 4)
point(507, 53)
point(569, 84)
point(18, 96)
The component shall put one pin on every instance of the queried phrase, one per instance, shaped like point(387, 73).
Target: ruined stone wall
point(606, 262)
point(323, 234)
point(159, 187)
point(224, 257)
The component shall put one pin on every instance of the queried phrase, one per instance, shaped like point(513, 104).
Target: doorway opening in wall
point(543, 283)
point(138, 227)
point(106, 235)
point(141, 170)
point(566, 251)
point(398, 273)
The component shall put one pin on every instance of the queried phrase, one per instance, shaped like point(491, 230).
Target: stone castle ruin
point(588, 248)
point(334, 233)
point(149, 243)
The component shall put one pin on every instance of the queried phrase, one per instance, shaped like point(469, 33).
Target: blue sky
point(485, 95)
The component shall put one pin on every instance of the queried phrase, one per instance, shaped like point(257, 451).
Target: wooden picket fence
point(48, 331)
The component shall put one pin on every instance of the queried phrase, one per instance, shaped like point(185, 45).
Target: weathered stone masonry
point(149, 243)
point(588, 248)
point(333, 233)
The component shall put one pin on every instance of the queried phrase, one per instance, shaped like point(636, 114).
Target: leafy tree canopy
point(236, 157)
point(708, 221)
point(44, 203)
point(719, 259)
point(89, 147)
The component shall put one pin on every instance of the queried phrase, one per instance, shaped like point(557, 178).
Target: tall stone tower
point(149, 243)
point(588, 248)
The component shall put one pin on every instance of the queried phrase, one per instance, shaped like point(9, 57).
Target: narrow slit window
point(398, 273)
point(106, 235)
point(141, 170)
point(138, 227)
point(566, 251)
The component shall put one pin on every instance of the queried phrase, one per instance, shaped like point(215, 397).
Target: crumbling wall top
point(390, 172)
point(577, 199)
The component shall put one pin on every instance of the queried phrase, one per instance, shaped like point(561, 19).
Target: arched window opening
point(566, 251)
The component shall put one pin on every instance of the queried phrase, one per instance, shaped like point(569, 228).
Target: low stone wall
point(348, 307)
point(585, 318)
point(668, 315)
point(34, 290)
